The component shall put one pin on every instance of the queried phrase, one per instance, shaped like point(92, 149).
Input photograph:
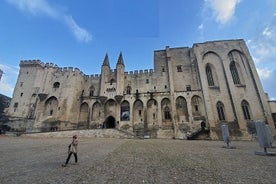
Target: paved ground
point(38, 160)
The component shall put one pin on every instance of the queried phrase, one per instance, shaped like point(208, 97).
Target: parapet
point(31, 63)
point(140, 72)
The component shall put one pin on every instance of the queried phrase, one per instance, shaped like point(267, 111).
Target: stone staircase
point(200, 134)
point(91, 133)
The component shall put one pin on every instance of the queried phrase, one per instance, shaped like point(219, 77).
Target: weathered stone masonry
point(213, 82)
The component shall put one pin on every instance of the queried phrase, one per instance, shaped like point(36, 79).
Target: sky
point(79, 33)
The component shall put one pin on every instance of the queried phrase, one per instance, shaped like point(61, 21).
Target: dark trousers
point(69, 156)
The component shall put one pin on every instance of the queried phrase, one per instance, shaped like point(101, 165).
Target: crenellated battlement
point(51, 65)
point(140, 72)
point(71, 70)
point(95, 76)
point(31, 63)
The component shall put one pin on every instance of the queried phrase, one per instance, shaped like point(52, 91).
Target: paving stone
point(102, 160)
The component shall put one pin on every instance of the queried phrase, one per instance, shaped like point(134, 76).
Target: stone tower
point(211, 83)
point(120, 75)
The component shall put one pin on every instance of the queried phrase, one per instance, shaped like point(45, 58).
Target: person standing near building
point(72, 149)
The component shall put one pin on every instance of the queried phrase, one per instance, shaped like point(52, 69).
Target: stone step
point(93, 133)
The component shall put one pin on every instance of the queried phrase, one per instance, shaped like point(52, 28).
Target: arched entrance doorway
point(109, 122)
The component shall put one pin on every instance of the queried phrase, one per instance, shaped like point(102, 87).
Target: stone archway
point(110, 122)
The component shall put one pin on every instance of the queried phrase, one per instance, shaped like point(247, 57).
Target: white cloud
point(264, 73)
point(263, 49)
point(223, 10)
point(11, 70)
point(36, 7)
point(8, 79)
point(80, 33)
point(268, 32)
point(200, 27)
point(263, 46)
point(6, 88)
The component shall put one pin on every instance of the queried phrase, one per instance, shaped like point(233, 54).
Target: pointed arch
point(110, 108)
point(152, 112)
point(181, 109)
point(138, 111)
point(51, 106)
point(84, 113)
point(246, 110)
point(220, 110)
point(197, 106)
point(238, 63)
point(110, 122)
point(213, 66)
point(166, 109)
point(125, 111)
point(96, 111)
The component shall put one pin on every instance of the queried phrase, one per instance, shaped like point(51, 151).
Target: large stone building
point(209, 84)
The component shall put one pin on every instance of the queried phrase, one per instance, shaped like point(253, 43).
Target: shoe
point(63, 165)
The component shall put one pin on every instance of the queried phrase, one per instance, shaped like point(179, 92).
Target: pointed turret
point(105, 74)
point(120, 74)
point(120, 59)
point(106, 61)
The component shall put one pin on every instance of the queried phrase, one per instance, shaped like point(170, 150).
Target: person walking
point(72, 149)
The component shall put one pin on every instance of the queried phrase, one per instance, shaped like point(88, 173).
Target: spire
point(120, 59)
point(106, 61)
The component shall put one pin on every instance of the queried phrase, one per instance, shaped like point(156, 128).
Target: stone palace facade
point(207, 85)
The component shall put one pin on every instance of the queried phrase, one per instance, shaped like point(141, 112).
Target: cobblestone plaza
point(101, 160)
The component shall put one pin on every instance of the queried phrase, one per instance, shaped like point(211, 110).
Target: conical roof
point(120, 59)
point(106, 61)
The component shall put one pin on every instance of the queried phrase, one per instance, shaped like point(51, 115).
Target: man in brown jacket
point(73, 147)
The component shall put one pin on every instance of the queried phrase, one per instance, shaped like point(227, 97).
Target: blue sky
point(80, 33)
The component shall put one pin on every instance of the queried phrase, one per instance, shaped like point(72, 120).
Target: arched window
point(91, 91)
point(51, 106)
point(96, 111)
point(112, 81)
point(167, 113)
point(152, 111)
point(128, 90)
point(245, 110)
point(196, 106)
point(181, 109)
point(56, 85)
point(137, 111)
point(234, 72)
point(209, 75)
point(220, 109)
point(125, 111)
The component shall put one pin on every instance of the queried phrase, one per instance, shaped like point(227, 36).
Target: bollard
point(265, 138)
point(226, 137)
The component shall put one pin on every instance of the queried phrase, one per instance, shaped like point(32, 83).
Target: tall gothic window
point(167, 113)
point(220, 109)
point(209, 74)
point(234, 72)
point(246, 110)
